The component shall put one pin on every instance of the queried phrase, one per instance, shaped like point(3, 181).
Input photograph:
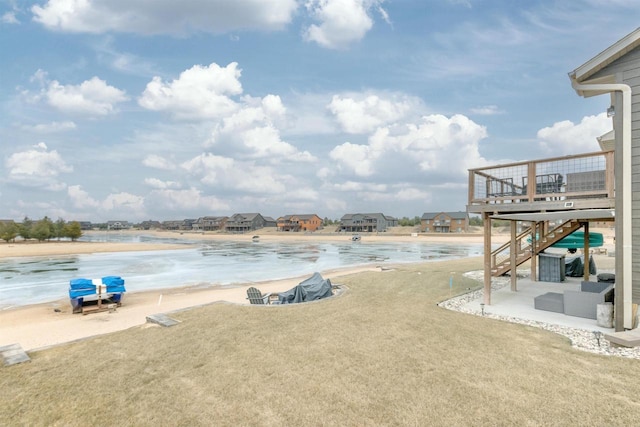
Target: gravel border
point(581, 339)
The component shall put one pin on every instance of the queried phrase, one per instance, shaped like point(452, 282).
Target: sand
point(49, 324)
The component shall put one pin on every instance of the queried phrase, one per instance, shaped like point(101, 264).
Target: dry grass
point(381, 354)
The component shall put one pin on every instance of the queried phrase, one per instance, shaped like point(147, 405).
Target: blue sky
point(137, 109)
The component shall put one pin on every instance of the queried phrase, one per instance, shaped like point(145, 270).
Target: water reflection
point(33, 280)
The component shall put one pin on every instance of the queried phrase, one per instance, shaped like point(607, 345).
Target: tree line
point(41, 230)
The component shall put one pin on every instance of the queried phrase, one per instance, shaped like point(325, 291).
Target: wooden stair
point(501, 259)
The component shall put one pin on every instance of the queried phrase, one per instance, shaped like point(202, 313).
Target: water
point(35, 280)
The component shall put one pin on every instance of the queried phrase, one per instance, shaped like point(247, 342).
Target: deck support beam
point(512, 255)
point(486, 219)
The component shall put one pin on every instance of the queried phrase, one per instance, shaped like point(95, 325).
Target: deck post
point(610, 174)
point(534, 251)
point(512, 254)
point(586, 251)
point(531, 181)
point(487, 257)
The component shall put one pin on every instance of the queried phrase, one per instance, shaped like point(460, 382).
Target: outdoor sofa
point(582, 303)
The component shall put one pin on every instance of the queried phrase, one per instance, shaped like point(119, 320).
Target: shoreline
point(48, 324)
point(61, 248)
point(44, 325)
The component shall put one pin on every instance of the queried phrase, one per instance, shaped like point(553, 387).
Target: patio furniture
point(574, 266)
point(607, 278)
point(256, 297)
point(311, 289)
point(583, 303)
point(551, 301)
point(546, 184)
point(551, 267)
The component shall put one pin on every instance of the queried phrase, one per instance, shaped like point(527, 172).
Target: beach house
point(307, 222)
point(369, 222)
point(210, 223)
point(244, 222)
point(179, 224)
point(557, 196)
point(118, 225)
point(444, 222)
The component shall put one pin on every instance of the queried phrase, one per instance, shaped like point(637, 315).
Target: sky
point(161, 109)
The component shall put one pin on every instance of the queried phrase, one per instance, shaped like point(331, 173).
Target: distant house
point(118, 225)
point(150, 225)
point(210, 223)
point(181, 224)
point(368, 222)
point(85, 225)
point(171, 225)
point(244, 222)
point(444, 222)
point(270, 222)
point(310, 222)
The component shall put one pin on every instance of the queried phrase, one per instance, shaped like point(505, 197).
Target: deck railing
point(581, 176)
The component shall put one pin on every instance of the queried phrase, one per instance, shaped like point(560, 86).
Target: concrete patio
point(520, 304)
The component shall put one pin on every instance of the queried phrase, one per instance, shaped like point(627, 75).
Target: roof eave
point(606, 57)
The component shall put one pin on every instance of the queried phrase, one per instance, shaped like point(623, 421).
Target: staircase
point(501, 257)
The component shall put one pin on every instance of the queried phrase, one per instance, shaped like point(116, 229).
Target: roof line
point(607, 56)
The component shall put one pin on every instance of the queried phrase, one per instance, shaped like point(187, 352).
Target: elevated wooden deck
point(550, 196)
point(578, 182)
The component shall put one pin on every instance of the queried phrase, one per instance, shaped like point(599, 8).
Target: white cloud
point(251, 132)
point(310, 115)
point(226, 173)
point(92, 97)
point(436, 145)
point(124, 205)
point(164, 16)
point(9, 18)
point(200, 92)
point(190, 199)
point(358, 186)
point(412, 194)
point(324, 173)
point(125, 62)
point(37, 167)
point(366, 114)
point(357, 158)
point(80, 199)
point(52, 127)
point(566, 137)
point(341, 22)
point(161, 185)
point(486, 110)
point(158, 162)
point(380, 193)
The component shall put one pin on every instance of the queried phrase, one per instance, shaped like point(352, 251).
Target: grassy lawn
point(381, 354)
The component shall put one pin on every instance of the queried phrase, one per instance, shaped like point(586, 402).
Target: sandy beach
point(44, 325)
point(48, 324)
